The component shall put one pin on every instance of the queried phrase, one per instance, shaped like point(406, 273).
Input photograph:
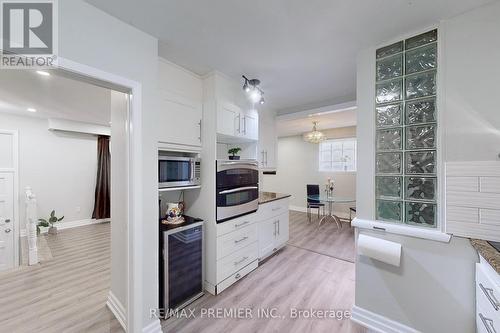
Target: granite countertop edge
point(266, 197)
point(488, 252)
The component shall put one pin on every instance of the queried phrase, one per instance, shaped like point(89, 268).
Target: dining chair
point(313, 189)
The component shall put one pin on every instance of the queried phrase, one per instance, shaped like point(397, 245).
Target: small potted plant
point(49, 222)
point(233, 152)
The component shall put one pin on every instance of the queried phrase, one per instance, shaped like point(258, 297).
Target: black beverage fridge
point(181, 264)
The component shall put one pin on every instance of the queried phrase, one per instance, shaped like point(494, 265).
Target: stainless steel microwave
point(178, 171)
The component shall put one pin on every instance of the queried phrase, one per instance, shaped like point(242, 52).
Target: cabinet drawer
point(233, 241)
point(487, 292)
point(236, 276)
point(236, 224)
point(236, 261)
point(273, 208)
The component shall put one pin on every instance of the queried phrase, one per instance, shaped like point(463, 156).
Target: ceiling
point(296, 126)
point(54, 96)
point(303, 51)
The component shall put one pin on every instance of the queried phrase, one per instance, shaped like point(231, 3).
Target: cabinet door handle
point(244, 125)
point(241, 224)
point(241, 240)
point(274, 234)
point(7, 230)
point(237, 276)
point(236, 263)
point(263, 158)
point(266, 157)
point(239, 124)
point(7, 220)
point(488, 323)
point(278, 223)
point(488, 292)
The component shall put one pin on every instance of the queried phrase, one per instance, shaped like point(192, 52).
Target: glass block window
point(337, 155)
point(406, 126)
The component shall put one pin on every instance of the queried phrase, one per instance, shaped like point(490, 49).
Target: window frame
point(331, 140)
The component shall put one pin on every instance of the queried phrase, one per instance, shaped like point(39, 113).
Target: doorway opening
point(64, 201)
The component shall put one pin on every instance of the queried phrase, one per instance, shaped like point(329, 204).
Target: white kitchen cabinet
point(273, 227)
point(234, 122)
point(179, 109)
point(250, 126)
point(267, 237)
point(487, 298)
point(267, 143)
point(179, 119)
point(228, 119)
point(282, 229)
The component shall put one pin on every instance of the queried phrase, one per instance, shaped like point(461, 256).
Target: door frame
point(16, 199)
point(134, 205)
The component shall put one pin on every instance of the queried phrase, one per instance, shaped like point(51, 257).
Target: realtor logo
point(29, 34)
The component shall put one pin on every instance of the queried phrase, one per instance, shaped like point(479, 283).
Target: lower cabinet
point(245, 240)
point(273, 227)
point(273, 235)
point(487, 296)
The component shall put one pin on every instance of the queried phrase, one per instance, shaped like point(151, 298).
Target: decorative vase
point(234, 157)
point(53, 230)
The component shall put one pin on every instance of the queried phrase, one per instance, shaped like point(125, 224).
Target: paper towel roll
point(379, 249)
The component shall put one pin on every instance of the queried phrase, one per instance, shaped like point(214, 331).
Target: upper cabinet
point(267, 142)
point(180, 106)
point(179, 120)
point(237, 124)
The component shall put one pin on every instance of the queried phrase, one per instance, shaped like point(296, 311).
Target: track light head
point(251, 87)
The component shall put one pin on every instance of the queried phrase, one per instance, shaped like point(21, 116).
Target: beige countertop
point(488, 252)
point(265, 197)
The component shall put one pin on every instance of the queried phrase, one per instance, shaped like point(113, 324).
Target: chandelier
point(314, 136)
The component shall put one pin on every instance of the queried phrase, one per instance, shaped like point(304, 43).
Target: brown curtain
point(103, 184)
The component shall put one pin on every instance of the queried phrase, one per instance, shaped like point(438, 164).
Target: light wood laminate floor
point(65, 294)
point(327, 239)
point(293, 278)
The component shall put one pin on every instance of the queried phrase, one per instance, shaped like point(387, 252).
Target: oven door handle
point(239, 189)
point(239, 163)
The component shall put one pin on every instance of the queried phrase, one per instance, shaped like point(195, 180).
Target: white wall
point(433, 290)
point(92, 37)
point(59, 167)
point(298, 165)
point(472, 52)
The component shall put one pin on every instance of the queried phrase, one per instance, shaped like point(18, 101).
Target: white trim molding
point(69, 224)
point(378, 323)
point(400, 229)
point(153, 327)
point(341, 214)
point(118, 309)
point(135, 176)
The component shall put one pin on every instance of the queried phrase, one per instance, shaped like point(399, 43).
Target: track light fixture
point(251, 87)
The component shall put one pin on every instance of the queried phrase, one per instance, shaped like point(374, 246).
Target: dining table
point(329, 201)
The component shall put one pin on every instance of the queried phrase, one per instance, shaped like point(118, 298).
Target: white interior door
point(7, 254)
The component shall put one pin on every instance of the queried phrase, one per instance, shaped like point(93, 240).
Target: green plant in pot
point(233, 152)
point(49, 223)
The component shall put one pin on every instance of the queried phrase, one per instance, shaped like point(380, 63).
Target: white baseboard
point(304, 210)
point(378, 323)
point(69, 224)
point(118, 309)
point(298, 209)
point(153, 327)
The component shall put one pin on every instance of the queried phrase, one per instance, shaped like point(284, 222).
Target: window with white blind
point(337, 155)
